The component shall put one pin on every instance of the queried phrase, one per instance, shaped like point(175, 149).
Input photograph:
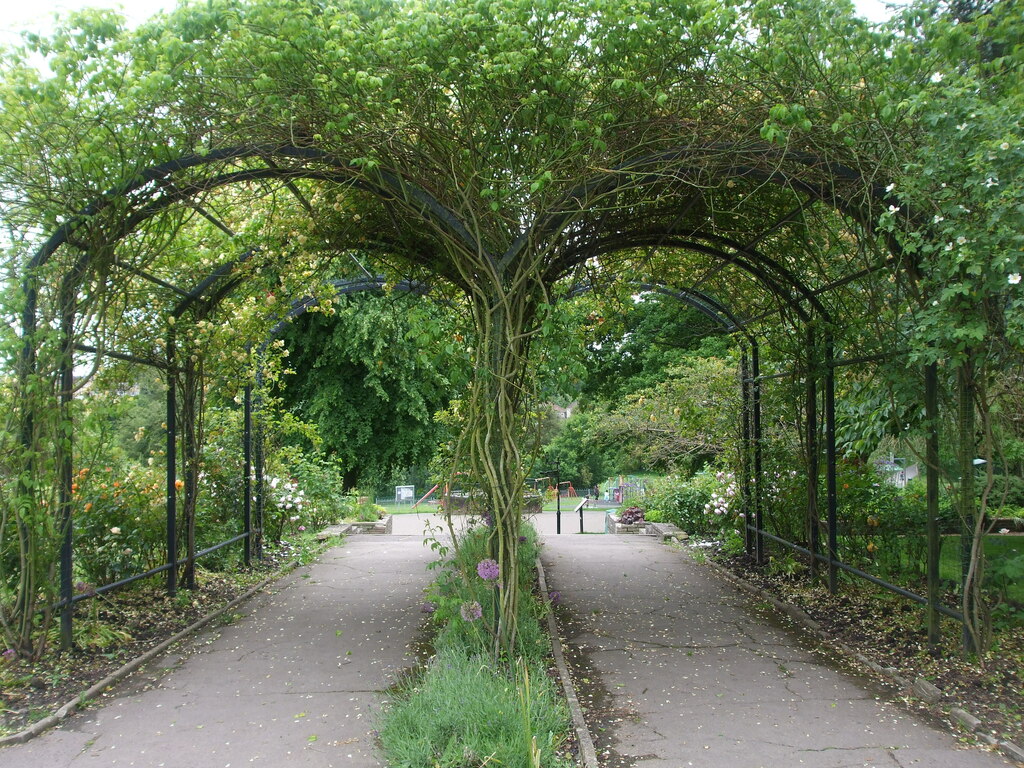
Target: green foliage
point(656, 516)
point(680, 423)
point(370, 379)
point(365, 512)
point(705, 504)
point(464, 712)
point(1007, 491)
point(638, 342)
point(1005, 587)
point(579, 454)
point(466, 707)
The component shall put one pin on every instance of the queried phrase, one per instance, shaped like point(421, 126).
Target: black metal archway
point(159, 188)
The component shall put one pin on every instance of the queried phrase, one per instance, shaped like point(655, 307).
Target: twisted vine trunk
point(497, 415)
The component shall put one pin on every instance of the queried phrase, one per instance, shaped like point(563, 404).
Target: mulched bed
point(891, 632)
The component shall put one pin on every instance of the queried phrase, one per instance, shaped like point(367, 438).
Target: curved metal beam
point(674, 241)
point(388, 186)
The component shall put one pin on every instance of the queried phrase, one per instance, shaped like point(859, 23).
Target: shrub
point(364, 512)
point(681, 503)
point(706, 504)
point(631, 515)
point(322, 482)
point(1010, 486)
point(655, 516)
point(120, 522)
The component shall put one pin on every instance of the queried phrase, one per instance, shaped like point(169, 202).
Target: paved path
point(677, 669)
point(685, 670)
point(296, 680)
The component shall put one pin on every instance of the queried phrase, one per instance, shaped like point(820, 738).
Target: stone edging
point(588, 753)
point(920, 688)
point(119, 674)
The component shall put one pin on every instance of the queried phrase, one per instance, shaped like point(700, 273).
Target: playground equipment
point(426, 496)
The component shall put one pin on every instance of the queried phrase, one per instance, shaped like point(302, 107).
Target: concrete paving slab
point(676, 667)
point(298, 677)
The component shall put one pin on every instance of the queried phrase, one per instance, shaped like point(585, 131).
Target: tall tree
point(371, 376)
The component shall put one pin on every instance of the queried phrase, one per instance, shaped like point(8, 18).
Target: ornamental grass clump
point(464, 710)
point(471, 704)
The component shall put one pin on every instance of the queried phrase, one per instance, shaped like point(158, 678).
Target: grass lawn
point(406, 509)
point(568, 505)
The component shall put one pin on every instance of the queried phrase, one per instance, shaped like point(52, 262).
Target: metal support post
point(748, 540)
point(66, 469)
point(172, 470)
point(558, 500)
point(812, 453)
point(247, 481)
point(931, 410)
point(967, 504)
point(755, 392)
point(830, 468)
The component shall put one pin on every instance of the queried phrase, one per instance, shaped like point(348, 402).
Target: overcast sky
point(37, 15)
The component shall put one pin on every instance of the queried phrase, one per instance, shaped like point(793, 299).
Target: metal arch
point(656, 238)
point(255, 459)
point(695, 299)
point(670, 241)
point(178, 194)
point(389, 186)
point(612, 179)
point(710, 306)
point(580, 197)
point(342, 287)
point(750, 396)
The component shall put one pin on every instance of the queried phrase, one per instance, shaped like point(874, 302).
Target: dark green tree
point(371, 377)
point(635, 347)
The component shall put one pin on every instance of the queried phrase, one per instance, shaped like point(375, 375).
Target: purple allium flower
point(428, 607)
point(9, 654)
point(302, 527)
point(554, 597)
point(471, 611)
point(487, 570)
point(522, 539)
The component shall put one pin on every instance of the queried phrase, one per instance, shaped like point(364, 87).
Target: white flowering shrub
point(724, 502)
point(286, 506)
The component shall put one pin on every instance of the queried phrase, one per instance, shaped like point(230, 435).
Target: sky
point(37, 15)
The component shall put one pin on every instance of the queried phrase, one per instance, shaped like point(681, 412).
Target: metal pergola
point(672, 216)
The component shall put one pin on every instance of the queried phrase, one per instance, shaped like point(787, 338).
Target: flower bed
point(467, 705)
point(628, 520)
